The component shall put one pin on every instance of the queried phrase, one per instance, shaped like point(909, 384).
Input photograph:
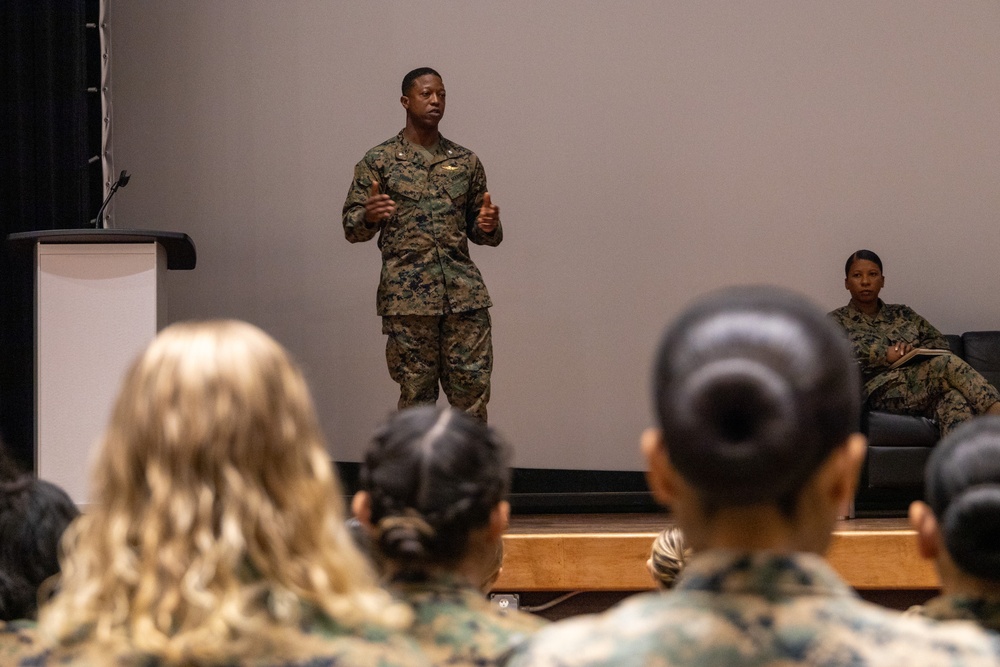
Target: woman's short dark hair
point(754, 388)
point(415, 74)
point(864, 255)
point(962, 487)
point(434, 475)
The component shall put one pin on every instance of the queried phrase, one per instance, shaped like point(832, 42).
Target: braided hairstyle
point(962, 485)
point(434, 475)
point(754, 388)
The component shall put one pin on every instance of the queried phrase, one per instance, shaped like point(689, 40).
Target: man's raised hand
point(489, 215)
point(378, 207)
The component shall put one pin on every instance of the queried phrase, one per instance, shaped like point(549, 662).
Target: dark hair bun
point(963, 490)
point(404, 538)
point(971, 530)
point(754, 388)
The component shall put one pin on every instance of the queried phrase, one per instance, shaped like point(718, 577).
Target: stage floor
point(608, 552)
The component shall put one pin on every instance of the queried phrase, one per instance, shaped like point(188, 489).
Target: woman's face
point(864, 281)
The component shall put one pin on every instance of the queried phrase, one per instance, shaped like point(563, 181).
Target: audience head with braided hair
point(958, 527)
point(432, 482)
point(433, 494)
point(215, 533)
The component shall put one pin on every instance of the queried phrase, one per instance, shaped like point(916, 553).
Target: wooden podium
point(99, 301)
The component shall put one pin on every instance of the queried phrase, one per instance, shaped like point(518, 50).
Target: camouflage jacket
point(759, 608)
point(455, 624)
point(320, 645)
point(985, 612)
point(426, 266)
point(871, 336)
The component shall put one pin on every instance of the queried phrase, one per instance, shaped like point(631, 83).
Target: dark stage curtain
point(47, 179)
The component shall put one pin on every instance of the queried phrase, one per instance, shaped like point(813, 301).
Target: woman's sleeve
point(927, 334)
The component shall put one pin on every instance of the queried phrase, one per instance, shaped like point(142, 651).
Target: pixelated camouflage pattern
point(983, 611)
point(18, 640)
point(944, 388)
point(455, 624)
point(426, 266)
point(322, 645)
point(454, 350)
point(760, 608)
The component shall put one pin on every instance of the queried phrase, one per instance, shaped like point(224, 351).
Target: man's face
point(424, 102)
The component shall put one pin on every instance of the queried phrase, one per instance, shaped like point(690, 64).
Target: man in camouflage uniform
point(426, 198)
point(944, 387)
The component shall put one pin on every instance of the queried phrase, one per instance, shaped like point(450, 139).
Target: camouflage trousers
point(944, 388)
point(454, 350)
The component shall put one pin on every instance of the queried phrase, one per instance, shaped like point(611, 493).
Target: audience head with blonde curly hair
point(216, 527)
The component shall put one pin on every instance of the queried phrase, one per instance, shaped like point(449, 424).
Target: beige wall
point(641, 152)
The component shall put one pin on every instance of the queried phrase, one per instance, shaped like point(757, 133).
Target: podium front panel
point(98, 306)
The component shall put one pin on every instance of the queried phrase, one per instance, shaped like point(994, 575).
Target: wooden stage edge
point(608, 552)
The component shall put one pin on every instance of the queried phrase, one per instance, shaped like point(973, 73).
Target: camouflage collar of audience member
point(770, 574)
point(434, 580)
point(18, 639)
point(984, 611)
point(858, 311)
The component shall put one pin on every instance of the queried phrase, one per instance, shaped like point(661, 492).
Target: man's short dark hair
point(413, 75)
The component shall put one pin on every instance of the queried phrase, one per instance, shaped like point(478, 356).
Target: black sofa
point(898, 445)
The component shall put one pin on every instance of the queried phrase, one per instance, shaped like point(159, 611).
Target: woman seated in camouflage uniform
point(959, 525)
point(756, 396)
point(944, 387)
point(215, 535)
point(434, 484)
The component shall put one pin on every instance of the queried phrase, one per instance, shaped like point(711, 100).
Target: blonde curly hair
point(217, 524)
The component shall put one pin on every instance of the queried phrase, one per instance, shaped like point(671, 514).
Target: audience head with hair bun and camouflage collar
point(433, 495)
point(756, 450)
point(959, 526)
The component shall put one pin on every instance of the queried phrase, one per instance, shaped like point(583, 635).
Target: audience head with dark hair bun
point(432, 477)
point(754, 389)
point(756, 455)
point(959, 525)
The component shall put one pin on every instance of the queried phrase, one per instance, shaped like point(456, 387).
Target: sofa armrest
point(982, 351)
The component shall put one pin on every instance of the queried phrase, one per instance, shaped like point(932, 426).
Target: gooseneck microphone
point(120, 183)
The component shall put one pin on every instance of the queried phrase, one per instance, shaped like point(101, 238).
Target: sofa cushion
point(885, 429)
point(897, 467)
